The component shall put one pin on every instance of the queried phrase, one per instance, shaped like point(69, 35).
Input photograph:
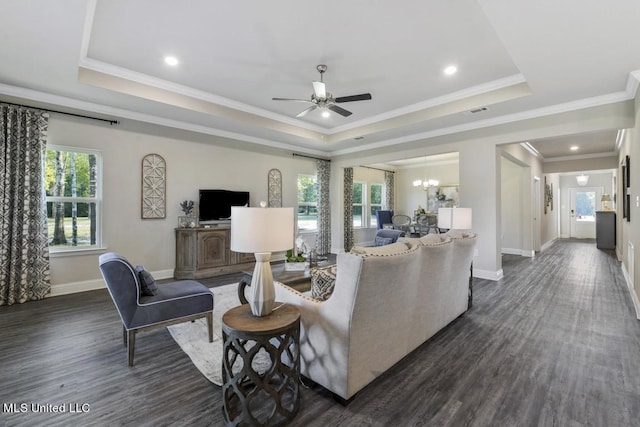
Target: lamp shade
point(261, 229)
point(605, 198)
point(455, 218)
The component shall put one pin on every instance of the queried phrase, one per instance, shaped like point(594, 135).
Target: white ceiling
point(520, 59)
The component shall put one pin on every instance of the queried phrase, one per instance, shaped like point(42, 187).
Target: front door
point(584, 203)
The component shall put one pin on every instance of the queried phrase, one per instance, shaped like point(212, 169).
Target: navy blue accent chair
point(175, 302)
point(383, 217)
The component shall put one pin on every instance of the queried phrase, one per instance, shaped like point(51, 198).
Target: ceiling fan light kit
point(321, 99)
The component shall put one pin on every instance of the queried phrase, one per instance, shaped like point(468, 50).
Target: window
point(358, 204)
point(375, 198)
point(365, 204)
point(586, 206)
point(307, 203)
point(72, 182)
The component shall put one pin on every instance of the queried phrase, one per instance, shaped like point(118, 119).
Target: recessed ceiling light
point(326, 114)
point(171, 60)
point(574, 148)
point(450, 70)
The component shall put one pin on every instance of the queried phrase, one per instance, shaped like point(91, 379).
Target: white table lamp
point(455, 218)
point(261, 231)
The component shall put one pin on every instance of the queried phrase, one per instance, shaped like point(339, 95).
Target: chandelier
point(582, 180)
point(426, 184)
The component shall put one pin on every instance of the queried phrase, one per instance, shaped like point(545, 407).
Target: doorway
point(584, 201)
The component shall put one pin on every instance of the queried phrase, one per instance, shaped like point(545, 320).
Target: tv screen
point(215, 205)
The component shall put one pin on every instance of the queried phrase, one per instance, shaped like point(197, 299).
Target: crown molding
point(47, 98)
point(434, 102)
point(496, 121)
point(581, 157)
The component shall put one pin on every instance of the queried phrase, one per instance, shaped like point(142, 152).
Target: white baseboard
point(92, 285)
point(520, 252)
point(75, 287)
point(632, 291)
point(488, 274)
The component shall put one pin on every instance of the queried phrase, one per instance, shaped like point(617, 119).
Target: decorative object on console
point(187, 207)
point(261, 231)
point(274, 185)
point(154, 186)
point(606, 202)
point(187, 221)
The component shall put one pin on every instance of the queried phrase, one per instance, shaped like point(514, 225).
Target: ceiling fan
point(323, 99)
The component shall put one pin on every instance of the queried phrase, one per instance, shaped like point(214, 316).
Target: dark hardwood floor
point(554, 343)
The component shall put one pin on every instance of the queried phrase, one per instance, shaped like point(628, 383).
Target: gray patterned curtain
point(389, 185)
point(24, 251)
point(348, 209)
point(323, 242)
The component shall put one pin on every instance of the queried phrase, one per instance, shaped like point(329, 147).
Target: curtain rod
point(111, 122)
point(310, 157)
point(383, 170)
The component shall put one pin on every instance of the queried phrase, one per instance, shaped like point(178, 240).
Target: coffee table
point(299, 280)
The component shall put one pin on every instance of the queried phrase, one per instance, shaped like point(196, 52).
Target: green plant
point(291, 258)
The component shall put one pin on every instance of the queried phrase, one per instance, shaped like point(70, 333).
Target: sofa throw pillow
point(381, 241)
point(148, 285)
point(323, 280)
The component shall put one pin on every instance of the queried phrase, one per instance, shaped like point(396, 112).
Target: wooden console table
point(269, 397)
point(204, 252)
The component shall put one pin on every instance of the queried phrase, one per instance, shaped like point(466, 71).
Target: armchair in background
point(383, 218)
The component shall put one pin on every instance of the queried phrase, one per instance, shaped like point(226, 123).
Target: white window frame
point(363, 205)
point(372, 205)
point(97, 247)
point(298, 229)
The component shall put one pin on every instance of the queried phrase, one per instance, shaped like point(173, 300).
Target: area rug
point(193, 337)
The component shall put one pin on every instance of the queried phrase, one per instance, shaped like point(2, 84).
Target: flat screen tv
point(215, 205)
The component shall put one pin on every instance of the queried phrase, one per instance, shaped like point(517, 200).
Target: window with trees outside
point(72, 182)
point(307, 203)
point(358, 204)
point(366, 203)
point(375, 204)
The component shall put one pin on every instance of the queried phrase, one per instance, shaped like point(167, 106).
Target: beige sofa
point(387, 301)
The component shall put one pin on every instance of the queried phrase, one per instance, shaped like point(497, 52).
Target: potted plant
point(295, 258)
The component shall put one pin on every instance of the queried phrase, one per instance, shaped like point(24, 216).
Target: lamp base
point(263, 293)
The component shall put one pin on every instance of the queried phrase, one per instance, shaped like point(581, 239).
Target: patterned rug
point(193, 337)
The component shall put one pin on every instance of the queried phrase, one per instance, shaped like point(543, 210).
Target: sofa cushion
point(148, 285)
point(434, 239)
point(323, 281)
point(381, 241)
point(392, 249)
point(458, 234)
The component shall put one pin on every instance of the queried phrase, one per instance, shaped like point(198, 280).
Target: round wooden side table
point(260, 366)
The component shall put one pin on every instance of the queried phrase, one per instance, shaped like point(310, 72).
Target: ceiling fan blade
point(320, 90)
point(361, 97)
point(339, 110)
point(290, 99)
point(304, 113)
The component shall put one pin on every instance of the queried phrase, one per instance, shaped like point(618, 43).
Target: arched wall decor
point(154, 186)
point(275, 188)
